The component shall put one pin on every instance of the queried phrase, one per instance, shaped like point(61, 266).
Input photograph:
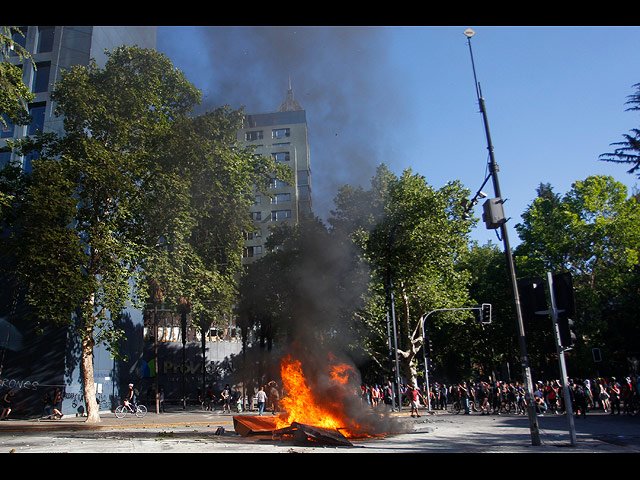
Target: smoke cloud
point(342, 77)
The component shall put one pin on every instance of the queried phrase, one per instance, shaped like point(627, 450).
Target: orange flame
point(317, 408)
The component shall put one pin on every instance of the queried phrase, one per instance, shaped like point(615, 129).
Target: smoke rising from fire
point(342, 76)
point(344, 80)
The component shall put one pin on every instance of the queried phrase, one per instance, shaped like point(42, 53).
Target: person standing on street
point(414, 396)
point(226, 399)
point(261, 399)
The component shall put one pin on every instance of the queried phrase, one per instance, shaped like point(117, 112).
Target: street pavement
point(197, 431)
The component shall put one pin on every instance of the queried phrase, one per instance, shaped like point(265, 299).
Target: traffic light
point(532, 297)
point(563, 293)
point(484, 315)
point(565, 327)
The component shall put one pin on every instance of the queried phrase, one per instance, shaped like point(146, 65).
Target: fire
point(320, 406)
point(340, 373)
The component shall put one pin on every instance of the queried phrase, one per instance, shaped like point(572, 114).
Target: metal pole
point(391, 367)
point(493, 168)
point(426, 365)
point(395, 343)
point(561, 361)
point(155, 354)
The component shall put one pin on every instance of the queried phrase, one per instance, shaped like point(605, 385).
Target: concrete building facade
point(284, 136)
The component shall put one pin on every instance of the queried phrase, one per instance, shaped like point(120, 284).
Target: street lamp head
point(469, 33)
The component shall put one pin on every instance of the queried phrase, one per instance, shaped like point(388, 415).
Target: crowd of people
point(609, 395)
point(266, 398)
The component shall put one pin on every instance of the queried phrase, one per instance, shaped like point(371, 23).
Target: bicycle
point(122, 410)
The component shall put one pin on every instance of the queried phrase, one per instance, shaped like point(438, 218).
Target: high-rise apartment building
point(282, 135)
point(57, 48)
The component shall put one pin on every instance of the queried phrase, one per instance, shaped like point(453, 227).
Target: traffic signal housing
point(483, 314)
point(563, 293)
point(565, 328)
point(532, 298)
point(486, 313)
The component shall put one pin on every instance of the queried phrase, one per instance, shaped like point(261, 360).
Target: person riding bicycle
point(132, 398)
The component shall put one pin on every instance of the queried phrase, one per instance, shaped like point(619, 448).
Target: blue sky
point(405, 96)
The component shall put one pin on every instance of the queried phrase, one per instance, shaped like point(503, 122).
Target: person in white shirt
point(261, 398)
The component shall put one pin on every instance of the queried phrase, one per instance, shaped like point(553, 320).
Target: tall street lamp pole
point(493, 169)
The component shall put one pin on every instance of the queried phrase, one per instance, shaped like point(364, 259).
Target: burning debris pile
point(321, 405)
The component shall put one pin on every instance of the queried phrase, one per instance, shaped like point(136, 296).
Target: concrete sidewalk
point(108, 420)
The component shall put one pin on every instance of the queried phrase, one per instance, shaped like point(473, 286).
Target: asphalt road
point(199, 432)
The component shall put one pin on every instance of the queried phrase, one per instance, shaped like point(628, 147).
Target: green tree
point(14, 97)
point(199, 210)
point(411, 240)
point(592, 233)
point(14, 94)
point(83, 237)
point(628, 150)
point(487, 347)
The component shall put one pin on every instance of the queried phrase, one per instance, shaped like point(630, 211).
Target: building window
point(278, 215)
point(41, 77)
point(256, 215)
point(253, 235)
point(280, 132)
point(257, 200)
point(275, 183)
point(280, 156)
point(305, 193)
point(37, 112)
point(250, 252)
point(45, 39)
point(281, 198)
point(303, 177)
point(19, 37)
point(255, 135)
point(5, 157)
point(6, 128)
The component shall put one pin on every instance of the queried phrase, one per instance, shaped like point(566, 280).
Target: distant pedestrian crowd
point(609, 395)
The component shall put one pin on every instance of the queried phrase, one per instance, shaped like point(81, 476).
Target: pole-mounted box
point(493, 213)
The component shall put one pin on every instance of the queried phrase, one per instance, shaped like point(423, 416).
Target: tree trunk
point(408, 346)
point(88, 381)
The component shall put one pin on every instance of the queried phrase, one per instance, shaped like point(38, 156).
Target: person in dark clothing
point(464, 397)
point(273, 396)
point(7, 404)
point(579, 399)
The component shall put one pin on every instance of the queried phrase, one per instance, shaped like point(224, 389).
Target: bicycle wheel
point(141, 411)
point(121, 411)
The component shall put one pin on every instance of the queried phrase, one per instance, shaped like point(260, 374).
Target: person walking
point(273, 396)
point(226, 399)
point(261, 399)
point(161, 400)
point(7, 404)
point(614, 396)
point(603, 395)
point(464, 397)
point(414, 396)
point(57, 404)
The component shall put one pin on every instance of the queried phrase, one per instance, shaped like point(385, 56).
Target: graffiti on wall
point(15, 384)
